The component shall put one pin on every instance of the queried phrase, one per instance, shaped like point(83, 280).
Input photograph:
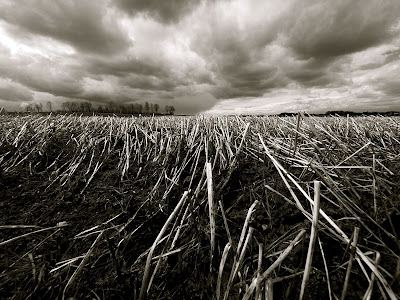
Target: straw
point(314, 231)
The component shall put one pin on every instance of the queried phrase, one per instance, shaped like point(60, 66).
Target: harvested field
point(199, 207)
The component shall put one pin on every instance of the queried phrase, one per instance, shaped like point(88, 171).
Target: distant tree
point(146, 107)
point(111, 107)
point(74, 106)
point(64, 106)
point(49, 105)
point(38, 107)
point(169, 109)
point(86, 107)
point(134, 108)
point(131, 109)
point(139, 108)
point(156, 108)
point(82, 107)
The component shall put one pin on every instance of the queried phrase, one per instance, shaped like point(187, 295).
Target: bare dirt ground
point(62, 237)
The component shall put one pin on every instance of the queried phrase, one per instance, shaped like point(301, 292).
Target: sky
point(202, 56)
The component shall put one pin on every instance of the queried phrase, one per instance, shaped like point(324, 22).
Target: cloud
point(391, 87)
point(236, 42)
point(193, 104)
point(387, 80)
point(85, 25)
point(316, 72)
point(166, 11)
point(38, 73)
point(253, 52)
point(11, 91)
point(203, 55)
point(122, 66)
point(332, 28)
point(148, 83)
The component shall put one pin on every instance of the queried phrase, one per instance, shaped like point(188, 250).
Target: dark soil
point(115, 269)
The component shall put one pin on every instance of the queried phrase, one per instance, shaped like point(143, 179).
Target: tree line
point(34, 107)
point(87, 107)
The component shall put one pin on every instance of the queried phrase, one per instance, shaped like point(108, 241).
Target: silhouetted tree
point(139, 108)
point(85, 106)
point(38, 107)
point(111, 107)
point(169, 109)
point(49, 105)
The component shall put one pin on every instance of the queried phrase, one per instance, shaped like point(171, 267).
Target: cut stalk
point(297, 133)
point(269, 290)
point(281, 257)
point(238, 263)
point(326, 269)
point(225, 223)
point(368, 293)
point(211, 211)
point(314, 231)
point(221, 269)
point(350, 264)
point(260, 255)
point(81, 265)
point(145, 281)
point(374, 184)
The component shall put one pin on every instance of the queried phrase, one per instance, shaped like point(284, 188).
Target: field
point(199, 207)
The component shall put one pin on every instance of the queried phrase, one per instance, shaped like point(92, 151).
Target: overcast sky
point(211, 56)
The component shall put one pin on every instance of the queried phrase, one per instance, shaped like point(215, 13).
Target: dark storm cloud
point(314, 36)
point(236, 57)
point(123, 65)
point(101, 97)
point(81, 24)
point(42, 75)
point(391, 56)
point(250, 76)
point(332, 28)
point(197, 53)
point(142, 74)
point(148, 83)
point(318, 73)
point(10, 91)
point(317, 79)
point(249, 80)
point(65, 87)
point(165, 11)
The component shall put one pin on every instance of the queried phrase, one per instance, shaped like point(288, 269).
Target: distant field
point(199, 207)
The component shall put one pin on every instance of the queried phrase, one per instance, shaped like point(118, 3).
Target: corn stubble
point(206, 207)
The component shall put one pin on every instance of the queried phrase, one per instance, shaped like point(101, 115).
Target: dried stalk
point(313, 237)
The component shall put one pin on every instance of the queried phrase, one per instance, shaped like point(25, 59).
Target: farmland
point(199, 207)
